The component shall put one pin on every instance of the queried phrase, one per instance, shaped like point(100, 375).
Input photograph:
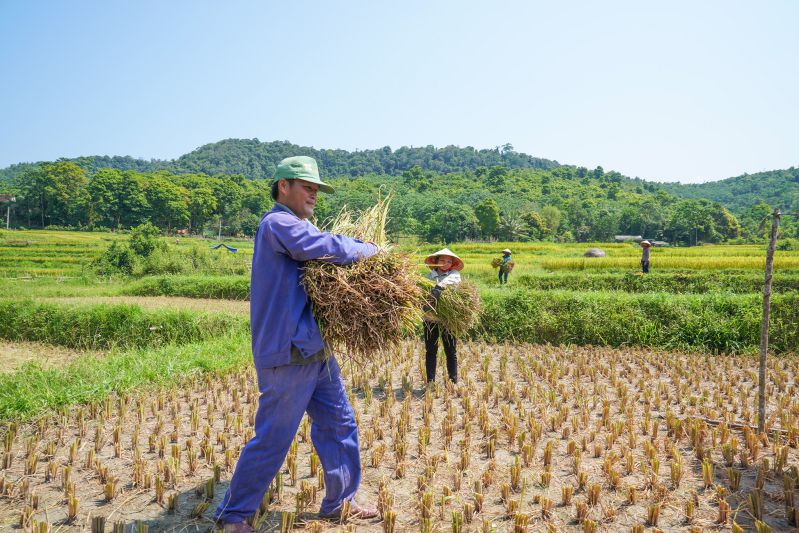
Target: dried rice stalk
point(457, 309)
point(366, 308)
point(507, 267)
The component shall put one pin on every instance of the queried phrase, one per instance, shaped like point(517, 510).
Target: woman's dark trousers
point(431, 334)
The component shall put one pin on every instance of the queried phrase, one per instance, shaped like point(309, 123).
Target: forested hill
point(255, 160)
point(777, 188)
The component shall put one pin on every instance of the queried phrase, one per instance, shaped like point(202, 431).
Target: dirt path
point(158, 302)
point(15, 354)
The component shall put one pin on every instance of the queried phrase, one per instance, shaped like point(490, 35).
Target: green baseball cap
point(300, 167)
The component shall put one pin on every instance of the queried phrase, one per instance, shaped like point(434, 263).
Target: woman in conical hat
point(432, 260)
point(645, 256)
point(445, 269)
point(505, 266)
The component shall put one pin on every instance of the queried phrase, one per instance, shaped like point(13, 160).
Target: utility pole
point(761, 378)
point(8, 200)
point(219, 236)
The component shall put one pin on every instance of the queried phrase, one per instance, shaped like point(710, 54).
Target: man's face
point(298, 195)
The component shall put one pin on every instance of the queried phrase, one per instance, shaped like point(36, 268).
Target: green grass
point(226, 288)
point(710, 322)
point(32, 391)
point(665, 262)
point(98, 327)
point(50, 253)
point(673, 281)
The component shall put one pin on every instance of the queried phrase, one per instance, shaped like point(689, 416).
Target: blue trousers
point(287, 392)
point(503, 275)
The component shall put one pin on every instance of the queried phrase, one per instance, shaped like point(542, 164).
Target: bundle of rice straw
point(457, 309)
point(365, 309)
point(507, 267)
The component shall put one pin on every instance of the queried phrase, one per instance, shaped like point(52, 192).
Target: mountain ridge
point(255, 159)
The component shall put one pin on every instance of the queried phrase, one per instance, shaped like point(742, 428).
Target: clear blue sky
point(689, 91)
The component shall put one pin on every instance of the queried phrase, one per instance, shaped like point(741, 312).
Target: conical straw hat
point(432, 259)
point(506, 251)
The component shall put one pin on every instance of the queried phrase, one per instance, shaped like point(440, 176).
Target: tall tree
point(117, 199)
point(168, 203)
point(487, 213)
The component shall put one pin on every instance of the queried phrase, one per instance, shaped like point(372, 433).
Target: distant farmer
point(645, 256)
point(445, 269)
point(297, 372)
point(505, 266)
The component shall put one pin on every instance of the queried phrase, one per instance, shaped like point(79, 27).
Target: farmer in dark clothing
point(297, 372)
point(505, 266)
point(445, 269)
point(645, 256)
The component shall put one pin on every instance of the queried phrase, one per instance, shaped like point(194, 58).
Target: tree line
point(62, 194)
point(563, 204)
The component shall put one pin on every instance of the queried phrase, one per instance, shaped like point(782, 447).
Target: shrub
point(116, 259)
point(144, 239)
point(104, 326)
point(788, 245)
point(710, 322)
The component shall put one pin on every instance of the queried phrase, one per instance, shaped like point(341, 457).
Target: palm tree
point(512, 228)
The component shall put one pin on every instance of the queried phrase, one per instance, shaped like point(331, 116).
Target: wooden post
point(761, 378)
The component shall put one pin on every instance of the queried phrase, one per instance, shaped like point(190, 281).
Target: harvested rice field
point(15, 354)
point(532, 438)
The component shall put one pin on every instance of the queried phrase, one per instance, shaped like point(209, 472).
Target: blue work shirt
point(281, 315)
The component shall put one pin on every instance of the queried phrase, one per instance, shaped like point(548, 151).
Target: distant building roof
point(625, 238)
point(7, 198)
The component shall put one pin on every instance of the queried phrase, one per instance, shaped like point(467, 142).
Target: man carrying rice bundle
point(296, 371)
point(445, 269)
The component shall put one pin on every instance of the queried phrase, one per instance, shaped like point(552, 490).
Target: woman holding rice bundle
point(505, 266)
point(445, 269)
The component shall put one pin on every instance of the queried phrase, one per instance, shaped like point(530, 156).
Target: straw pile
point(457, 309)
point(366, 308)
